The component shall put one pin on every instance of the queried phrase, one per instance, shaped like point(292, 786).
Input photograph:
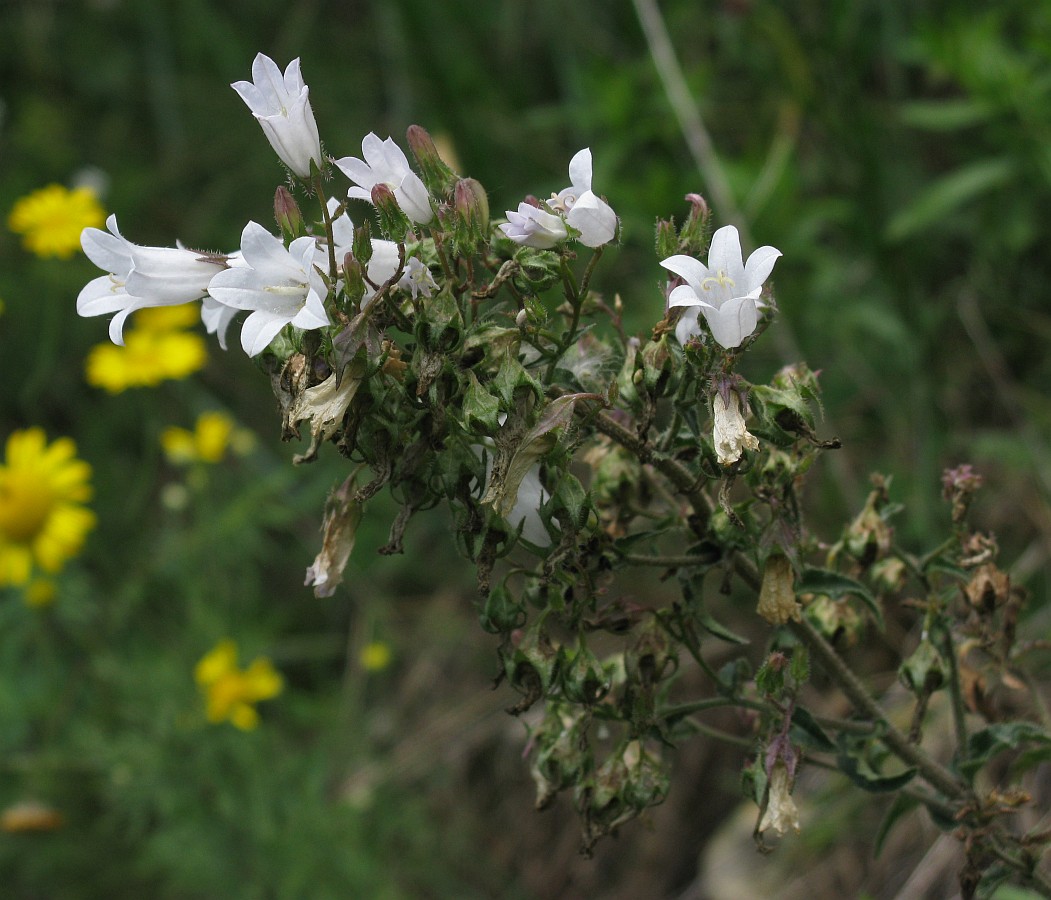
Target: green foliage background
point(898, 154)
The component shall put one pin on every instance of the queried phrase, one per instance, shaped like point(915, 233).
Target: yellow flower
point(375, 656)
point(50, 220)
point(167, 318)
point(206, 443)
point(146, 359)
point(42, 520)
point(230, 692)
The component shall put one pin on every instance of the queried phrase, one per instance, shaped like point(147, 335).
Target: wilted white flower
point(726, 291)
point(781, 813)
point(140, 276)
point(281, 105)
point(279, 286)
point(584, 210)
point(386, 163)
point(777, 596)
point(730, 435)
point(532, 227)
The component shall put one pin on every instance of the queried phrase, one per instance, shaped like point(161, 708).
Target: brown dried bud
point(989, 588)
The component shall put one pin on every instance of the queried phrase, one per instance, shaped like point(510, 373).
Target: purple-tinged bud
point(693, 238)
point(472, 205)
point(393, 222)
point(353, 280)
point(362, 245)
point(667, 239)
point(288, 215)
point(437, 176)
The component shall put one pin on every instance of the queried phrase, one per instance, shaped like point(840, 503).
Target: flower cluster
point(213, 435)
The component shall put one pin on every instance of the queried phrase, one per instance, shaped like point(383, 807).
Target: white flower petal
point(732, 322)
point(684, 295)
point(692, 270)
point(594, 219)
point(259, 330)
point(580, 167)
point(759, 266)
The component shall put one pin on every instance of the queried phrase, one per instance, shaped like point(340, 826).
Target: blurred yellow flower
point(166, 318)
point(51, 219)
point(207, 443)
point(375, 656)
point(40, 592)
point(230, 693)
point(42, 520)
point(146, 359)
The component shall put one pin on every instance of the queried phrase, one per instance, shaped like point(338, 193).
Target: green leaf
point(835, 585)
point(713, 627)
point(815, 734)
point(902, 804)
point(985, 744)
point(945, 197)
point(481, 410)
point(870, 781)
point(945, 115)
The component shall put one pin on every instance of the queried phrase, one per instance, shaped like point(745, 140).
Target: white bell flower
point(279, 286)
point(281, 105)
point(532, 227)
point(584, 209)
point(385, 163)
point(727, 290)
point(140, 276)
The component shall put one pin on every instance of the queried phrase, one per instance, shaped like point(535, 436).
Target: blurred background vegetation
point(898, 154)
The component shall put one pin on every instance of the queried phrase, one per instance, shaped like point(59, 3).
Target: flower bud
point(693, 237)
point(667, 241)
point(394, 224)
point(472, 209)
point(437, 176)
point(362, 245)
point(353, 280)
point(288, 215)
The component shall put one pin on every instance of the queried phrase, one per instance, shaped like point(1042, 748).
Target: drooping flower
point(385, 163)
point(280, 286)
point(281, 105)
point(43, 520)
point(584, 210)
point(207, 443)
point(231, 693)
point(726, 291)
point(51, 219)
point(730, 434)
point(777, 596)
point(533, 227)
point(140, 277)
point(781, 813)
